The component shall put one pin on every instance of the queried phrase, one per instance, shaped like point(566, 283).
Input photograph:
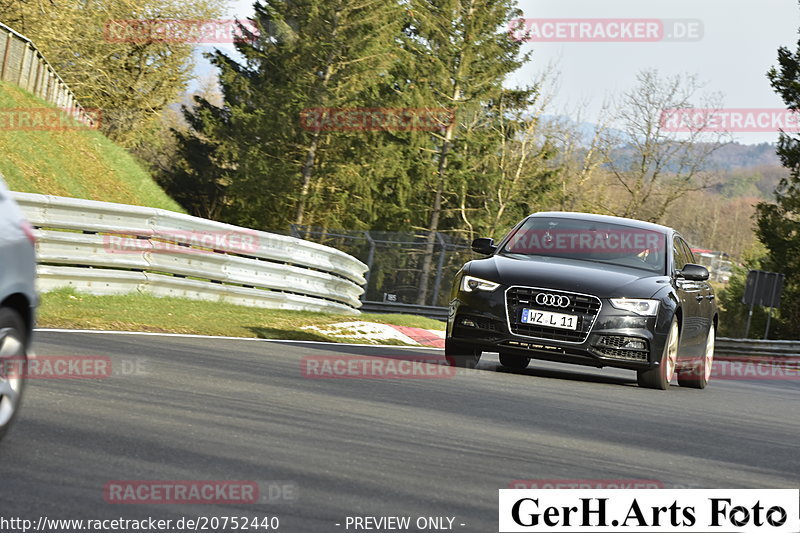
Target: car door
point(706, 302)
point(689, 293)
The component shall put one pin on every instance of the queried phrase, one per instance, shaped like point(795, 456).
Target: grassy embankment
point(82, 163)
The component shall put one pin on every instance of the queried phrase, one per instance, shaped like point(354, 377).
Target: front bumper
point(605, 336)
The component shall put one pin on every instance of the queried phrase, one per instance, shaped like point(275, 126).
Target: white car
point(18, 302)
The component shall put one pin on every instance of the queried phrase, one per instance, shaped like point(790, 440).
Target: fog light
point(634, 344)
point(468, 322)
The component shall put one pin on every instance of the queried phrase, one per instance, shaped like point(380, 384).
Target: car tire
point(461, 354)
point(514, 361)
point(659, 377)
point(13, 341)
point(698, 376)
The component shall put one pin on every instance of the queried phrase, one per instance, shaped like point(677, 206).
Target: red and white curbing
point(373, 333)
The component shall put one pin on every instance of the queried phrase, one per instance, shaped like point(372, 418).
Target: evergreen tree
point(307, 55)
point(462, 54)
point(778, 223)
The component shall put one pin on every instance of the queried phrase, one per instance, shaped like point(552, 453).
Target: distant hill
point(737, 155)
point(729, 157)
point(741, 170)
point(75, 162)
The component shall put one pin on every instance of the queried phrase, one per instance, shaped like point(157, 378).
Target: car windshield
point(588, 240)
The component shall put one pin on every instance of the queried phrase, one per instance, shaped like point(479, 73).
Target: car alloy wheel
point(660, 376)
point(13, 365)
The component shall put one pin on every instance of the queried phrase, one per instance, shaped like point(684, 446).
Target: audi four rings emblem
point(551, 300)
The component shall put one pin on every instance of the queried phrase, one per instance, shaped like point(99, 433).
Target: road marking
point(189, 336)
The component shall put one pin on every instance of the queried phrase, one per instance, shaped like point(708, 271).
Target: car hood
point(605, 281)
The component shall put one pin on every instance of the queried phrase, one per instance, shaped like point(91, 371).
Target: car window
point(678, 254)
point(688, 252)
point(589, 240)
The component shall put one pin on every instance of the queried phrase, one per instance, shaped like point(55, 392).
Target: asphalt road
point(214, 409)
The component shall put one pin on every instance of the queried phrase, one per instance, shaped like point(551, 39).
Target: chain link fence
point(395, 262)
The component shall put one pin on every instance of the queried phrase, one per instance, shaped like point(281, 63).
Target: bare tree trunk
point(307, 173)
point(433, 227)
point(311, 153)
point(436, 211)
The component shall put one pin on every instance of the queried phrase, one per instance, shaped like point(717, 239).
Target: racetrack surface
point(222, 409)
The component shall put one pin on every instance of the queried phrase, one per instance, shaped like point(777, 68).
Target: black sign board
point(763, 288)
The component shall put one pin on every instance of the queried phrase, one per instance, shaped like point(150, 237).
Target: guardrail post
point(22, 65)
point(769, 313)
point(370, 260)
point(439, 269)
point(6, 53)
point(750, 314)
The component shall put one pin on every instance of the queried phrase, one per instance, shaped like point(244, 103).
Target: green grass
point(66, 308)
point(83, 163)
point(76, 162)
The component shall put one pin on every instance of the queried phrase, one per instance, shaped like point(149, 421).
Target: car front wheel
point(13, 365)
point(514, 361)
point(461, 354)
point(660, 376)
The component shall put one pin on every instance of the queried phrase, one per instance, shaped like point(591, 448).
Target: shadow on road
point(552, 373)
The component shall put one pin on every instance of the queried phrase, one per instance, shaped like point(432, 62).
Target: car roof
point(630, 222)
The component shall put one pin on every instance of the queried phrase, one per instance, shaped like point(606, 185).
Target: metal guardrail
point(107, 248)
point(22, 64)
point(438, 313)
point(726, 347)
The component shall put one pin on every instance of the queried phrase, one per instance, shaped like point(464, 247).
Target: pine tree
point(307, 55)
point(778, 224)
point(463, 53)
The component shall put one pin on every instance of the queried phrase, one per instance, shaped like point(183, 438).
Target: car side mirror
point(484, 246)
point(692, 272)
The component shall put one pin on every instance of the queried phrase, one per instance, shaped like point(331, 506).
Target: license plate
point(546, 318)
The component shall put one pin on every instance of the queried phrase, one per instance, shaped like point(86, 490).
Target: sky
point(735, 42)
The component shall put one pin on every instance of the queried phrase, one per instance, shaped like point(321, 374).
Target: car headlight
point(470, 284)
point(640, 307)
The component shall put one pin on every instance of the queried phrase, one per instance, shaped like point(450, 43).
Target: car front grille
point(584, 306)
point(616, 346)
point(628, 355)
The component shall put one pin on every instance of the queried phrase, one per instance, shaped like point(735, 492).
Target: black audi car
point(590, 290)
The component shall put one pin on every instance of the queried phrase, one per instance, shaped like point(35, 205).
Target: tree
point(653, 165)
point(462, 54)
point(287, 170)
point(733, 313)
point(578, 162)
point(110, 58)
point(778, 223)
point(514, 173)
